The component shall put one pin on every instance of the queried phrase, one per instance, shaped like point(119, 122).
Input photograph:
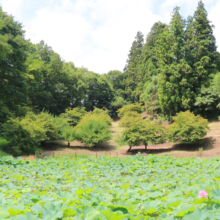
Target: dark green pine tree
point(200, 49)
point(131, 68)
point(147, 69)
point(173, 68)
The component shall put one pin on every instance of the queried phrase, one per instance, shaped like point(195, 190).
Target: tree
point(131, 68)
point(152, 132)
point(187, 128)
point(136, 107)
point(143, 132)
point(129, 118)
point(117, 103)
point(73, 116)
point(200, 51)
point(147, 68)
point(27, 133)
point(99, 92)
point(103, 114)
point(116, 79)
point(206, 103)
point(173, 67)
point(92, 130)
point(12, 63)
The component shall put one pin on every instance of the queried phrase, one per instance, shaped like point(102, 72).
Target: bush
point(25, 134)
point(92, 129)
point(144, 132)
point(74, 115)
point(130, 118)
point(103, 114)
point(136, 107)
point(118, 102)
point(68, 134)
point(187, 128)
point(66, 131)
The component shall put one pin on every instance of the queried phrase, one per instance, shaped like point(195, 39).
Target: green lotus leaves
point(130, 188)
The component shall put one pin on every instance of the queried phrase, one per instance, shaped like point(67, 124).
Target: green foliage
point(93, 129)
point(147, 68)
point(136, 107)
point(206, 102)
point(159, 191)
point(99, 92)
point(130, 118)
point(120, 140)
point(188, 128)
point(116, 79)
point(26, 134)
point(74, 115)
point(216, 83)
point(152, 133)
point(69, 133)
point(131, 69)
point(103, 114)
point(118, 102)
point(12, 61)
point(3, 144)
point(144, 132)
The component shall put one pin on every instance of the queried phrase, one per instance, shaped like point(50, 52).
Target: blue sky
point(98, 34)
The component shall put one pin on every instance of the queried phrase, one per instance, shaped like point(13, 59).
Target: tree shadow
point(76, 145)
point(206, 144)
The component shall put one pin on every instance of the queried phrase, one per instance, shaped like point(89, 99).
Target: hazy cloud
point(98, 34)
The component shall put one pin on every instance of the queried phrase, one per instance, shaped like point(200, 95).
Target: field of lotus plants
point(112, 188)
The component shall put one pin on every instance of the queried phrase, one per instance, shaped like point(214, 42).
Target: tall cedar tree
point(200, 51)
point(147, 68)
point(131, 69)
point(172, 66)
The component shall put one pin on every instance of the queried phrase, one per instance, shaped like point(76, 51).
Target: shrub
point(25, 134)
point(152, 132)
point(120, 140)
point(103, 114)
point(74, 115)
point(136, 107)
point(187, 128)
point(92, 129)
point(68, 134)
point(66, 131)
point(144, 132)
point(130, 118)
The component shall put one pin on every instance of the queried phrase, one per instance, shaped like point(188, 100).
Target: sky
point(98, 34)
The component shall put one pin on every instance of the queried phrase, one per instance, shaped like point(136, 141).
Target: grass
point(3, 143)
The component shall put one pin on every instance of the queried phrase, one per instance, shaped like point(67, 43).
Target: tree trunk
point(130, 148)
point(145, 147)
point(68, 143)
point(171, 121)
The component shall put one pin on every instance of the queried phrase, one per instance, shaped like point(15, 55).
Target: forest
point(176, 68)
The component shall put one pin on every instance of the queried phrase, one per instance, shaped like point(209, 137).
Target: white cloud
point(12, 7)
point(96, 34)
point(214, 17)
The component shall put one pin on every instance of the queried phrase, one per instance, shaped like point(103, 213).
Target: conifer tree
point(131, 68)
point(147, 68)
point(200, 49)
point(172, 66)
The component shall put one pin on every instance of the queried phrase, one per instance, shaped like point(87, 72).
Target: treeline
point(177, 69)
point(34, 77)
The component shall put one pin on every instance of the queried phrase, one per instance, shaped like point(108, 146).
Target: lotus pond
point(112, 188)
